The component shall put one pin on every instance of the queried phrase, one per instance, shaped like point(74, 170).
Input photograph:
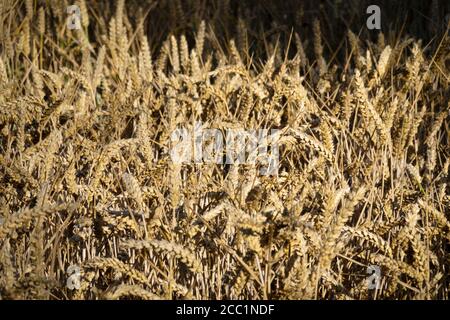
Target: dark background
point(420, 19)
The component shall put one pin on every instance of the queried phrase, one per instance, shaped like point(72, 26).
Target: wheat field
point(93, 207)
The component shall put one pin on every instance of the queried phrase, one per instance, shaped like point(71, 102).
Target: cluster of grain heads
point(92, 205)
